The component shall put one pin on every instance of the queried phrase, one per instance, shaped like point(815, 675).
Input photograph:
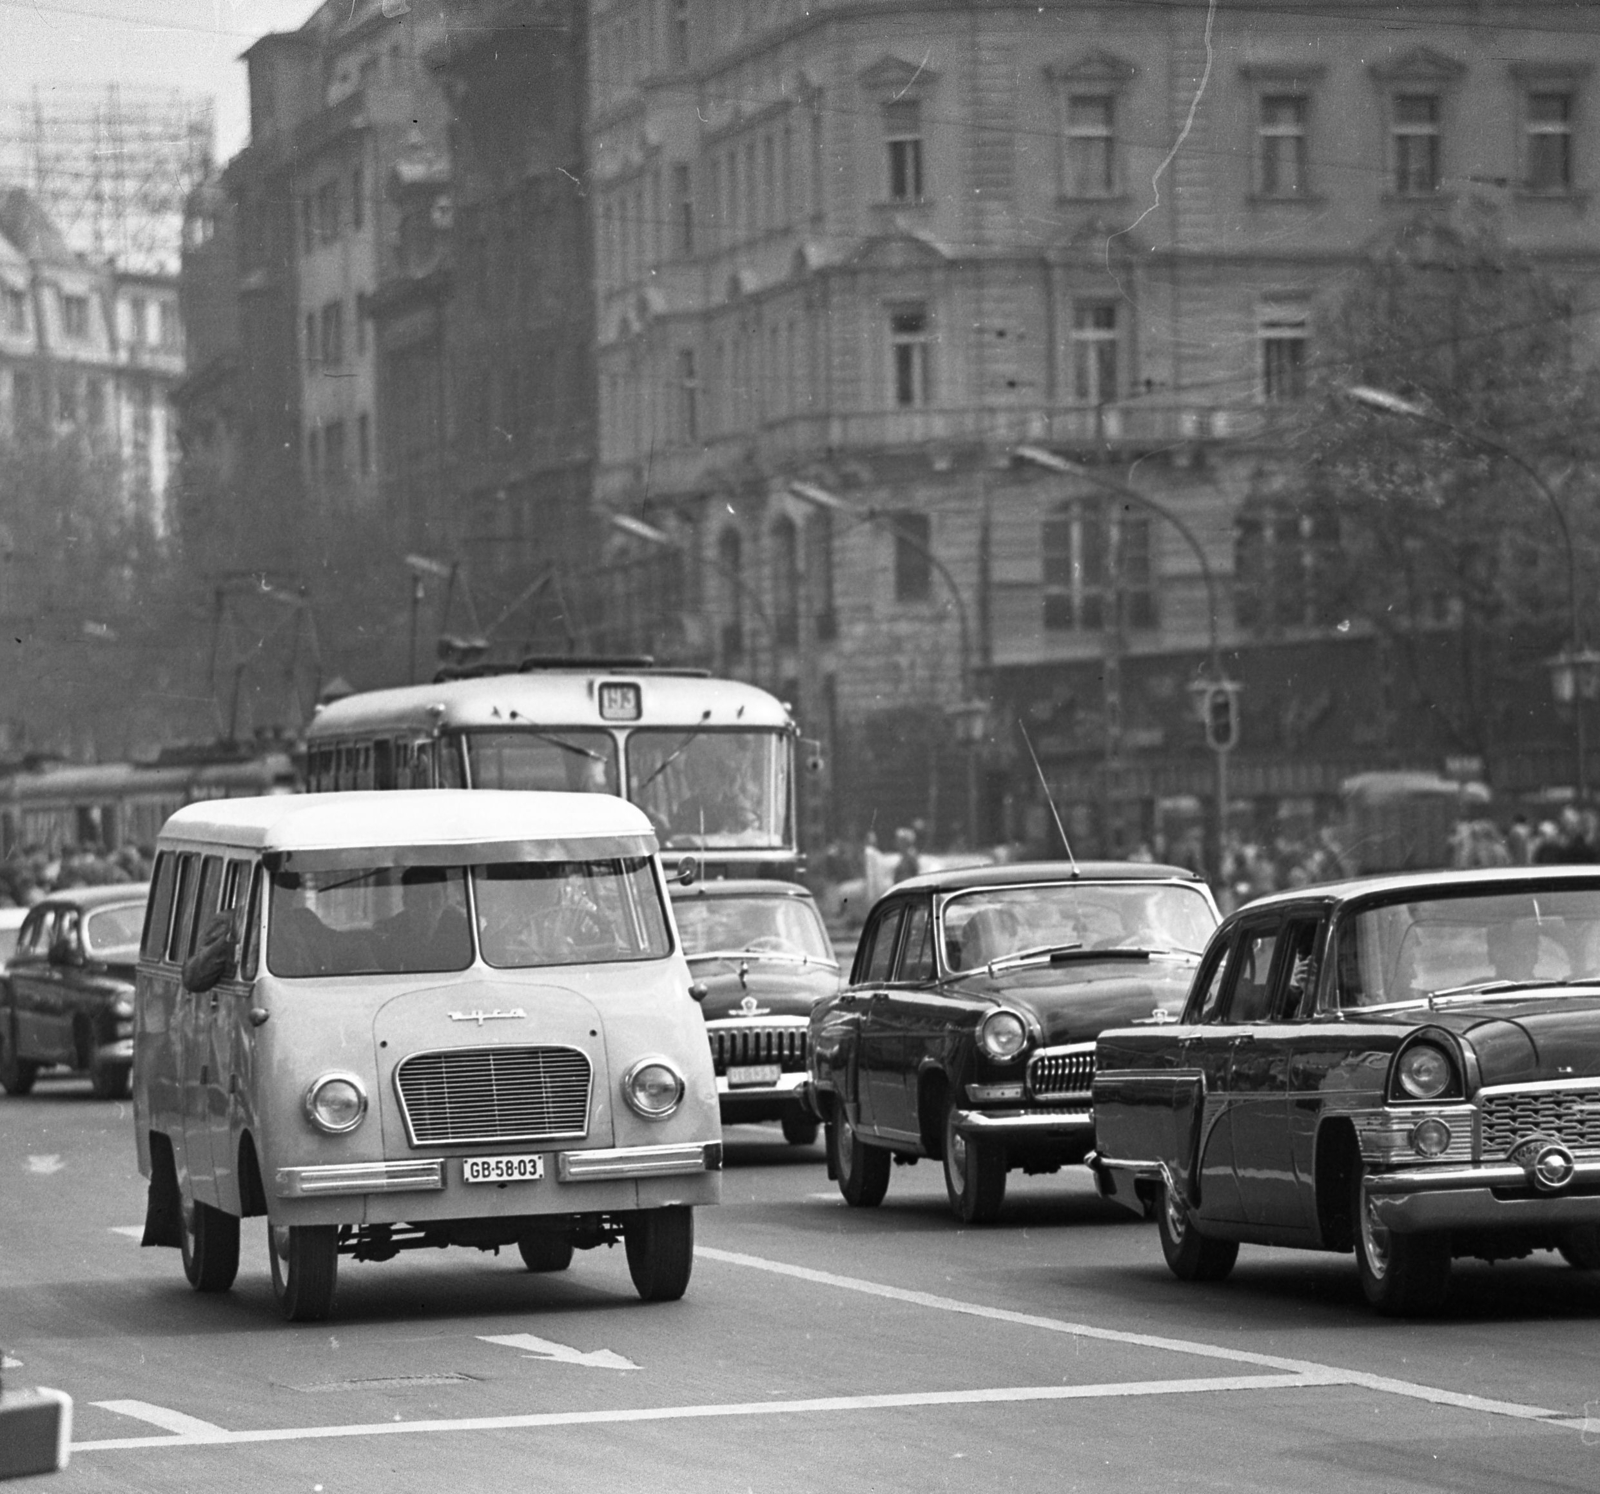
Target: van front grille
point(494, 1094)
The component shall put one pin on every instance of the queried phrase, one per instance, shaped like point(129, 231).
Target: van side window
point(158, 910)
point(205, 903)
point(250, 951)
point(184, 903)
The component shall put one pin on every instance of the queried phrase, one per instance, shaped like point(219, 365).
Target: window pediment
point(900, 251)
point(1419, 65)
point(894, 78)
point(1093, 67)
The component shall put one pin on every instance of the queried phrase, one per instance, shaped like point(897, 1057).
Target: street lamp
point(1575, 671)
point(969, 712)
point(1216, 697)
point(650, 535)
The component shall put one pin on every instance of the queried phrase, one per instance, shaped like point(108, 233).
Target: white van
point(406, 1019)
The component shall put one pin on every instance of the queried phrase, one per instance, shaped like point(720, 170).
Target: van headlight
point(336, 1103)
point(653, 1088)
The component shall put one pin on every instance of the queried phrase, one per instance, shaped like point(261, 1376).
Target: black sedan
point(967, 1030)
point(1407, 1067)
point(761, 958)
point(67, 997)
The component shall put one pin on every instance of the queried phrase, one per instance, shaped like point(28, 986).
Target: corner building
point(878, 248)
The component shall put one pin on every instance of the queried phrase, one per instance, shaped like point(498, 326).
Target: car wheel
point(209, 1245)
point(541, 1251)
point(109, 1079)
point(799, 1129)
point(1402, 1275)
point(1580, 1247)
point(1191, 1256)
point(660, 1247)
point(974, 1173)
point(305, 1269)
point(862, 1170)
point(16, 1074)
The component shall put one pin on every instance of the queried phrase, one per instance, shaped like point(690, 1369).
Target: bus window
point(383, 754)
point(573, 760)
point(711, 789)
point(447, 771)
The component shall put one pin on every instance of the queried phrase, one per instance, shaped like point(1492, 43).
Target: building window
point(682, 211)
point(1285, 565)
point(170, 329)
point(328, 213)
point(96, 404)
point(902, 133)
point(913, 563)
point(819, 574)
point(1094, 352)
point(311, 340)
point(1281, 331)
point(1091, 145)
point(14, 307)
point(688, 397)
point(138, 332)
point(67, 409)
point(314, 455)
point(1281, 136)
point(364, 443)
point(680, 33)
point(333, 451)
point(730, 565)
point(358, 199)
point(1414, 133)
point(75, 318)
point(1076, 569)
point(333, 334)
point(1547, 120)
point(911, 355)
point(786, 580)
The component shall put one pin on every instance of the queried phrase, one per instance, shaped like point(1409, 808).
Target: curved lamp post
point(970, 709)
point(1573, 672)
point(640, 530)
point(1039, 456)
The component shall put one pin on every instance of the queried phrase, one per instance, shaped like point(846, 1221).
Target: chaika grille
point(1061, 1073)
point(494, 1094)
point(1571, 1116)
point(758, 1044)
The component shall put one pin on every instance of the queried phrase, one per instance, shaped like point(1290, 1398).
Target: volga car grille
point(1569, 1115)
point(494, 1094)
point(741, 1045)
point(1061, 1074)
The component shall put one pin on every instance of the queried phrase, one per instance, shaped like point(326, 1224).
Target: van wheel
point(660, 1246)
point(544, 1252)
point(209, 1244)
point(16, 1074)
point(862, 1170)
point(305, 1269)
point(109, 1080)
point(799, 1129)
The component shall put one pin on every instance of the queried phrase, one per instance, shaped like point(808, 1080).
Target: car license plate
point(755, 1073)
point(527, 1169)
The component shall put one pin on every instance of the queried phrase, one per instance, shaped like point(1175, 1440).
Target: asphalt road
point(818, 1348)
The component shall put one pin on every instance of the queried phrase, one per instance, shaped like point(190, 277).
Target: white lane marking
point(132, 1231)
point(45, 1165)
point(542, 1348)
point(830, 1405)
point(189, 1428)
point(1324, 1374)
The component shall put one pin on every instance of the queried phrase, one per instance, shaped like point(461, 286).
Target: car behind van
point(400, 1020)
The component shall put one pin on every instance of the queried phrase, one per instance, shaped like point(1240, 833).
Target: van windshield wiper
point(674, 755)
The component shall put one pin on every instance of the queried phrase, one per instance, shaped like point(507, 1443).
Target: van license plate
point(527, 1169)
point(755, 1073)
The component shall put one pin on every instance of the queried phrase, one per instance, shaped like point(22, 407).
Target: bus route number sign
point(619, 701)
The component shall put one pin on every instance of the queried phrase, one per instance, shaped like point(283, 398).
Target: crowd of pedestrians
point(27, 875)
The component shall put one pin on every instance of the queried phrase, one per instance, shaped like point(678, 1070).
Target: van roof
point(398, 818)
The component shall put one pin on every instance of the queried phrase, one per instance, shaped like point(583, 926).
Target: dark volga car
point(1405, 1066)
point(67, 997)
point(759, 952)
point(967, 1030)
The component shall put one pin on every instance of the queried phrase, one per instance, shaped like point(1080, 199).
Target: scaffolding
point(112, 168)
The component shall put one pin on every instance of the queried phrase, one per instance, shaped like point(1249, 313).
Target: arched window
point(730, 563)
point(819, 574)
point(786, 580)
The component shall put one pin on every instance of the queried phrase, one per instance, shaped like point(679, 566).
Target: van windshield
point(569, 912)
point(380, 920)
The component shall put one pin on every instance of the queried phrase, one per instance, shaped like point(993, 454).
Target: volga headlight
point(1003, 1035)
point(336, 1103)
point(1425, 1072)
point(653, 1088)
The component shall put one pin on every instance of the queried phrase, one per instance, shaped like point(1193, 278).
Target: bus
point(710, 761)
point(54, 806)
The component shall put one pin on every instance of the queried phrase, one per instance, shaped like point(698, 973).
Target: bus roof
point(552, 698)
point(426, 826)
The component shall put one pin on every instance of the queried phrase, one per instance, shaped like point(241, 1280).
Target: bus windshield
point(711, 789)
point(570, 759)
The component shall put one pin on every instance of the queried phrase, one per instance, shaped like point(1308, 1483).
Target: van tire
point(660, 1247)
point(209, 1245)
point(16, 1074)
point(305, 1269)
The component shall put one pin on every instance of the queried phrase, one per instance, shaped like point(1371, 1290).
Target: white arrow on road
point(51, 1163)
point(542, 1348)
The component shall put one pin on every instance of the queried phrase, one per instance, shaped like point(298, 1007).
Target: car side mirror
point(688, 871)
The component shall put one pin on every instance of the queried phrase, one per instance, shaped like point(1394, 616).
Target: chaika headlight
point(336, 1103)
point(1425, 1072)
point(653, 1088)
point(1003, 1035)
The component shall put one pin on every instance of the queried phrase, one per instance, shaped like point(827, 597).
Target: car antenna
point(1049, 800)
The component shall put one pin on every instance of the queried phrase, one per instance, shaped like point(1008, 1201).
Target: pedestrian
point(907, 862)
